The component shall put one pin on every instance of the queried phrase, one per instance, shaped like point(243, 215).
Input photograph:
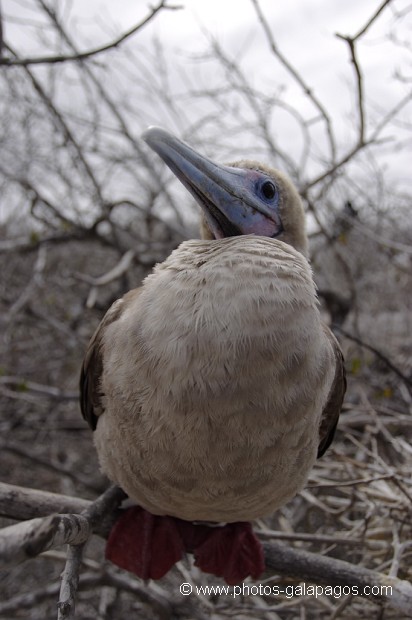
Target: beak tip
point(154, 134)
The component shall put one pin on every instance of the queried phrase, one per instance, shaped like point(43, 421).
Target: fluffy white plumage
point(215, 375)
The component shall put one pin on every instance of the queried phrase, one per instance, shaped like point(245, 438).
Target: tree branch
point(370, 21)
point(35, 282)
point(78, 156)
point(70, 582)
point(113, 107)
point(1, 35)
point(114, 273)
point(29, 600)
point(304, 565)
point(20, 384)
point(280, 558)
point(24, 62)
point(22, 503)
point(359, 82)
point(379, 354)
point(28, 539)
point(297, 77)
point(104, 505)
point(22, 451)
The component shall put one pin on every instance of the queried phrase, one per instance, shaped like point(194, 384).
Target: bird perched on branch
point(214, 386)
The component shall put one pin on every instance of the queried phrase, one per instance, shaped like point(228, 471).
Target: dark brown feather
point(331, 411)
point(91, 393)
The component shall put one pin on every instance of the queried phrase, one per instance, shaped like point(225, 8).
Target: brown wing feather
point(91, 392)
point(331, 411)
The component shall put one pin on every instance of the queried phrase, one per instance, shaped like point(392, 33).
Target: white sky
point(305, 32)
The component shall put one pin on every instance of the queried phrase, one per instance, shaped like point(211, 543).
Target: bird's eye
point(268, 190)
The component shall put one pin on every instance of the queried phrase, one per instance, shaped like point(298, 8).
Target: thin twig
point(79, 155)
point(370, 21)
point(69, 583)
point(108, 100)
point(34, 282)
point(297, 563)
point(314, 568)
point(378, 354)
point(22, 385)
point(1, 34)
point(23, 452)
point(308, 91)
point(24, 62)
point(359, 83)
point(29, 600)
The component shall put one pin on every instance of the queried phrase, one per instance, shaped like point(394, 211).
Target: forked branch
point(281, 559)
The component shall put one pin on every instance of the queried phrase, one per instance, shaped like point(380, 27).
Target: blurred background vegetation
point(86, 211)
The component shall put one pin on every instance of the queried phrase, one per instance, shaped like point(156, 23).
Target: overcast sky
point(305, 32)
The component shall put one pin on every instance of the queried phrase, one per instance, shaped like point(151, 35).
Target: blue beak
point(236, 201)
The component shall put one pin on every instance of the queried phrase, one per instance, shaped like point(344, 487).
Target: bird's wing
point(331, 410)
point(91, 392)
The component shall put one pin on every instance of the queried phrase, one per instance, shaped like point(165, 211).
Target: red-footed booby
point(214, 386)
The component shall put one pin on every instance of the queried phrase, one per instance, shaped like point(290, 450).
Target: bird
point(214, 386)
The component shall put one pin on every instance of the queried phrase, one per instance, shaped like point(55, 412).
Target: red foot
point(232, 552)
point(149, 546)
point(144, 544)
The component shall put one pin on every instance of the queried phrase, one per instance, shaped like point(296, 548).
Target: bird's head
point(241, 198)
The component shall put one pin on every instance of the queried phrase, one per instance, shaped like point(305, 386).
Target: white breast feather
point(215, 380)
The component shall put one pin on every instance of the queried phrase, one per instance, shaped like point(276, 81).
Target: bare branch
point(68, 136)
point(370, 21)
point(316, 568)
point(114, 273)
point(358, 500)
point(25, 244)
point(176, 227)
point(160, 604)
point(1, 35)
point(26, 540)
point(391, 114)
point(297, 77)
point(28, 600)
point(378, 354)
point(104, 505)
point(21, 385)
point(314, 538)
point(399, 549)
point(329, 172)
point(359, 82)
point(24, 62)
point(24, 452)
point(69, 584)
point(351, 41)
point(281, 559)
point(34, 282)
point(382, 241)
point(22, 503)
point(103, 93)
